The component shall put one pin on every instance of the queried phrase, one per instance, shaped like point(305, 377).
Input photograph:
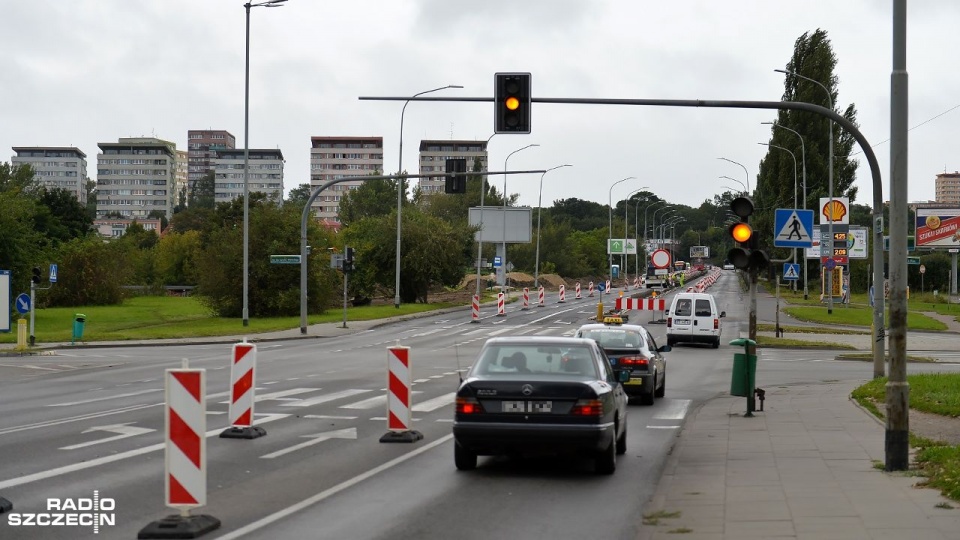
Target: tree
point(369, 199)
point(176, 258)
point(91, 273)
point(299, 195)
point(203, 193)
point(17, 179)
point(60, 217)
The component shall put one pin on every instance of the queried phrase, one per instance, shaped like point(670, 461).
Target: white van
point(693, 317)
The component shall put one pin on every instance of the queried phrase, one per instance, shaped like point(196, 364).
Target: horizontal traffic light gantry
point(746, 254)
point(512, 98)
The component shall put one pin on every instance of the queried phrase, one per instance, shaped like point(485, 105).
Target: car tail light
point(669, 322)
point(637, 361)
point(587, 407)
point(716, 324)
point(468, 405)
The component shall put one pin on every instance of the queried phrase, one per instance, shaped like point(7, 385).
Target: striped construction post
point(399, 383)
point(526, 298)
point(185, 463)
point(578, 297)
point(475, 309)
point(590, 289)
point(540, 297)
point(500, 312)
point(242, 388)
point(607, 290)
point(563, 293)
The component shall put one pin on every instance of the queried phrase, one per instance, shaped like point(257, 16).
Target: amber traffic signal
point(512, 103)
point(746, 254)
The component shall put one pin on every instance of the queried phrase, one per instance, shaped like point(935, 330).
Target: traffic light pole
point(33, 307)
point(753, 306)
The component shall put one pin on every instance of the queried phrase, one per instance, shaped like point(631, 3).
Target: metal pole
point(536, 264)
point(897, 439)
point(345, 297)
point(483, 190)
point(33, 308)
point(745, 190)
point(794, 156)
point(503, 263)
point(401, 190)
point(610, 212)
point(246, 176)
point(747, 174)
point(803, 155)
point(626, 233)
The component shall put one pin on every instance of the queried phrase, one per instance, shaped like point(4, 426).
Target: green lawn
point(766, 327)
point(771, 342)
point(156, 317)
point(858, 316)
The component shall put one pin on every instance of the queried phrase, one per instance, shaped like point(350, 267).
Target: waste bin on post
point(79, 320)
point(743, 380)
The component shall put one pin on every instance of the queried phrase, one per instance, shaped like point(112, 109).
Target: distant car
point(631, 348)
point(541, 394)
point(728, 266)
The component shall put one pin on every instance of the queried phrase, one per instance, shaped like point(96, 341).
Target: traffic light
point(347, 259)
point(36, 274)
point(512, 103)
point(746, 255)
point(456, 181)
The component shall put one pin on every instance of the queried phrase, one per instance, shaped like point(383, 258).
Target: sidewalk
point(802, 469)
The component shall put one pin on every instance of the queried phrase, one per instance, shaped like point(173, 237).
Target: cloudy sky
point(79, 72)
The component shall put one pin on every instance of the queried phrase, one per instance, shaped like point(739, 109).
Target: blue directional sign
point(601, 286)
point(497, 263)
point(23, 303)
point(791, 271)
point(53, 273)
point(793, 228)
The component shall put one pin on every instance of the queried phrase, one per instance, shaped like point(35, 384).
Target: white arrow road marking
point(275, 396)
point(106, 398)
point(348, 433)
point(431, 405)
point(325, 398)
point(122, 432)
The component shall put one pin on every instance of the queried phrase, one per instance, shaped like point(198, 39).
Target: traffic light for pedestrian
point(746, 254)
point(456, 181)
point(512, 102)
point(347, 259)
point(36, 274)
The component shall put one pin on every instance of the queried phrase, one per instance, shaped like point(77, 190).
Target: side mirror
point(623, 375)
point(723, 314)
point(665, 348)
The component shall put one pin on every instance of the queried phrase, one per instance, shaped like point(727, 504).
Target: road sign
point(830, 264)
point(793, 228)
point(615, 247)
point(660, 258)
point(53, 273)
point(23, 303)
point(791, 271)
point(284, 259)
point(923, 269)
point(913, 261)
point(497, 263)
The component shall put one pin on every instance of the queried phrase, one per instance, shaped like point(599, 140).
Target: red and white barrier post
point(578, 297)
point(475, 309)
point(399, 385)
point(500, 312)
point(590, 289)
point(243, 383)
point(607, 289)
point(526, 298)
point(563, 294)
point(185, 464)
point(540, 297)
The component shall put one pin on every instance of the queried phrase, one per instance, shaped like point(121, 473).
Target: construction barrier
point(242, 388)
point(399, 383)
point(185, 463)
point(641, 304)
point(636, 282)
point(526, 298)
point(540, 297)
point(500, 312)
point(590, 288)
point(475, 309)
point(578, 297)
point(563, 293)
point(607, 289)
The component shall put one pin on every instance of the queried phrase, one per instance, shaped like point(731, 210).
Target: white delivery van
point(694, 318)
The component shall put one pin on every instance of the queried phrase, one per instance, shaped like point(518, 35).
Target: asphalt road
point(92, 419)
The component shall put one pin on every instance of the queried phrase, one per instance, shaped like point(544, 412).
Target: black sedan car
point(631, 348)
point(539, 394)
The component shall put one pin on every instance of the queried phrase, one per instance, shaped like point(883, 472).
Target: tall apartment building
point(56, 167)
point(947, 188)
point(135, 176)
point(265, 173)
point(332, 158)
point(434, 156)
point(202, 145)
point(180, 176)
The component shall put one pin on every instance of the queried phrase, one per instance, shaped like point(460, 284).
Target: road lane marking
point(348, 433)
point(371, 403)
point(107, 398)
point(79, 418)
point(663, 427)
point(431, 405)
point(275, 396)
point(325, 398)
point(122, 431)
point(329, 417)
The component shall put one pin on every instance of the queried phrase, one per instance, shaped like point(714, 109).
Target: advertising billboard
point(857, 242)
point(699, 252)
point(938, 227)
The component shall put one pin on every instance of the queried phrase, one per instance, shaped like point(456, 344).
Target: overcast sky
point(79, 72)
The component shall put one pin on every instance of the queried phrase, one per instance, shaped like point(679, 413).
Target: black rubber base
point(401, 436)
point(5, 505)
point(251, 432)
point(180, 527)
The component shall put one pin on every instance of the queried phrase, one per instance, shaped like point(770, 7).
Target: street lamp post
point(483, 190)
point(536, 264)
point(246, 160)
point(829, 272)
point(401, 188)
point(803, 157)
point(626, 233)
point(794, 156)
point(503, 263)
point(653, 223)
point(636, 227)
point(610, 235)
point(746, 191)
point(747, 174)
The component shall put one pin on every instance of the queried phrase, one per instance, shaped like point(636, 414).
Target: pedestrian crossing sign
point(791, 271)
point(792, 228)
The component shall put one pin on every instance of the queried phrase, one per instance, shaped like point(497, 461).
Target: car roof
point(696, 295)
point(601, 326)
point(543, 340)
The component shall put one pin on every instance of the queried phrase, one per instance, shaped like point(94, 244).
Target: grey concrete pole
point(536, 264)
point(610, 235)
point(483, 189)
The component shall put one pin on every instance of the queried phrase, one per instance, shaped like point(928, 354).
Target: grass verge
point(764, 327)
point(771, 342)
point(858, 316)
point(868, 357)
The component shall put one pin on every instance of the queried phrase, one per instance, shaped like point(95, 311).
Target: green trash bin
point(744, 378)
point(79, 320)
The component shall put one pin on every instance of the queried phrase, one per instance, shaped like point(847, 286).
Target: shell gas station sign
point(839, 209)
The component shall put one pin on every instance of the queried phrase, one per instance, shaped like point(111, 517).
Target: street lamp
point(246, 160)
point(653, 224)
point(401, 189)
point(536, 264)
point(503, 263)
point(829, 272)
point(803, 157)
point(745, 189)
point(610, 206)
point(626, 233)
point(794, 156)
point(636, 223)
point(747, 174)
point(483, 190)
point(659, 230)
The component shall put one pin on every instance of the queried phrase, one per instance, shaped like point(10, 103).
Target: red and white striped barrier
point(475, 309)
point(526, 298)
point(607, 289)
point(590, 288)
point(641, 304)
point(500, 312)
point(540, 297)
point(185, 483)
point(243, 383)
point(563, 294)
point(399, 384)
point(578, 297)
point(636, 282)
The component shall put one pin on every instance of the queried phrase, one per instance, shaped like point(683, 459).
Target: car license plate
point(634, 382)
point(540, 406)
point(683, 321)
point(513, 406)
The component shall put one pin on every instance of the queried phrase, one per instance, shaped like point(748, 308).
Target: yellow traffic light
point(512, 103)
point(741, 232)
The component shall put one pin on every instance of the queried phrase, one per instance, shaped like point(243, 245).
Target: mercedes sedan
point(541, 395)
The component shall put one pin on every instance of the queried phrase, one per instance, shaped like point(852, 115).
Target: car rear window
point(703, 308)
point(684, 307)
point(615, 338)
point(551, 361)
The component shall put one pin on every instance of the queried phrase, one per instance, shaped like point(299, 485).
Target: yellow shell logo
point(837, 210)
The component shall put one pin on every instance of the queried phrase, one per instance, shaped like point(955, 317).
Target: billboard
point(512, 225)
point(699, 252)
point(857, 242)
point(840, 210)
point(938, 227)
